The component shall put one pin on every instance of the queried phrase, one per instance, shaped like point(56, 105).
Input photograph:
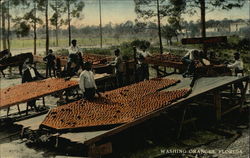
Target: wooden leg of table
point(57, 141)
point(18, 108)
point(157, 71)
point(217, 104)
point(43, 101)
point(243, 95)
point(181, 122)
point(8, 110)
point(27, 109)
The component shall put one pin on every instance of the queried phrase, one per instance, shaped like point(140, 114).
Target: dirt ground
point(227, 139)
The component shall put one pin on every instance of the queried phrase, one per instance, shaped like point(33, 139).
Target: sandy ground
point(237, 145)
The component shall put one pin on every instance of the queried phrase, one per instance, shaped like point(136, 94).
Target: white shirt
point(73, 50)
point(87, 80)
point(144, 53)
point(32, 72)
point(190, 54)
point(118, 64)
point(237, 64)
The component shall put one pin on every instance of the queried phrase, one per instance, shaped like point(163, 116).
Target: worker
point(117, 63)
point(142, 67)
point(237, 65)
point(50, 63)
point(30, 74)
point(189, 60)
point(75, 60)
point(87, 82)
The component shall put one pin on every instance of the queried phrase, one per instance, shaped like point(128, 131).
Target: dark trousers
point(119, 79)
point(32, 104)
point(89, 93)
point(142, 72)
point(50, 67)
point(190, 65)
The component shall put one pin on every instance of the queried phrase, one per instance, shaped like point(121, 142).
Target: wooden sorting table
point(176, 64)
point(29, 91)
point(97, 65)
point(202, 86)
point(7, 94)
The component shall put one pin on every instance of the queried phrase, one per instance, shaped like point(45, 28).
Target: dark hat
point(236, 54)
point(143, 46)
point(117, 50)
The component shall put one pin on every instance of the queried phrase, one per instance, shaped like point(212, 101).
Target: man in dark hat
point(30, 74)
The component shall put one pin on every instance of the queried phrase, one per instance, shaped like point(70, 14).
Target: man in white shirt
point(87, 82)
point(189, 60)
point(117, 63)
point(238, 64)
point(74, 49)
point(142, 67)
point(238, 68)
point(75, 57)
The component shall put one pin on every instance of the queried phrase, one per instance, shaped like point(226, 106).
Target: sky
point(118, 11)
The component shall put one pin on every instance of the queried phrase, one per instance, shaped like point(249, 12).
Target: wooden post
point(217, 104)
point(159, 26)
point(181, 122)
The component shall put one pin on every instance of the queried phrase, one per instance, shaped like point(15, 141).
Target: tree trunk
point(159, 27)
point(3, 28)
point(100, 11)
point(8, 25)
point(69, 27)
point(47, 27)
point(203, 23)
point(35, 35)
point(57, 23)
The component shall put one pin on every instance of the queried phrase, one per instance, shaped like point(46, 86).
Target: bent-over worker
point(189, 60)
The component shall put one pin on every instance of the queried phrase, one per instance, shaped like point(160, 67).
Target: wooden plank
point(218, 39)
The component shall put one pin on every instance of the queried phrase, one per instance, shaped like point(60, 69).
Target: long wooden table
point(202, 86)
point(22, 93)
point(33, 90)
